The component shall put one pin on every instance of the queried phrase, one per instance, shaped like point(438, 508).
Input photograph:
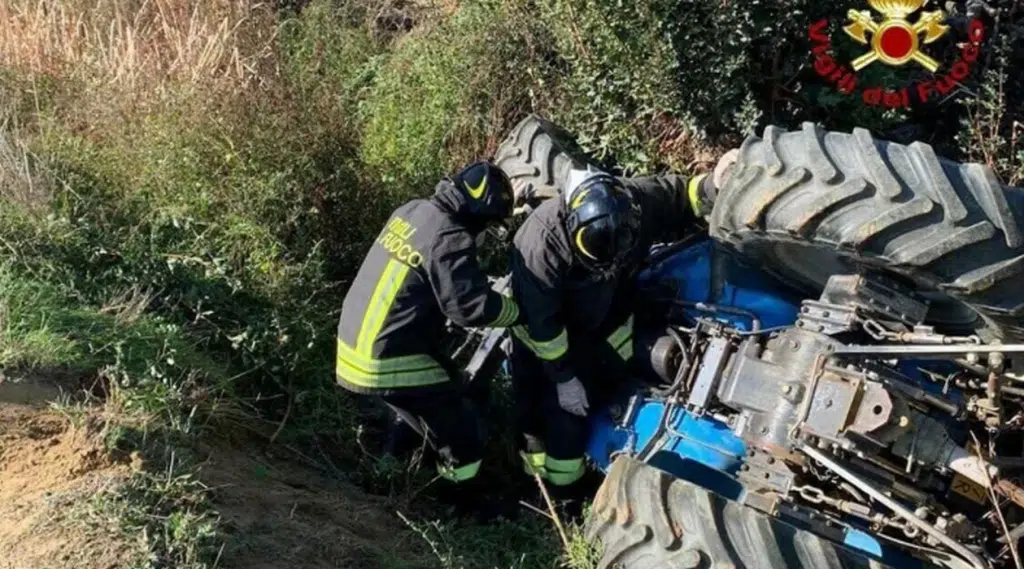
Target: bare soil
point(281, 514)
point(273, 512)
point(46, 465)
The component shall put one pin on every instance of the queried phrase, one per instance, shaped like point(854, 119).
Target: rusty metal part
point(1012, 491)
point(874, 411)
point(919, 335)
point(895, 506)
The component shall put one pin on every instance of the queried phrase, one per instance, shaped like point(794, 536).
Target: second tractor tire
point(643, 518)
point(537, 155)
point(810, 203)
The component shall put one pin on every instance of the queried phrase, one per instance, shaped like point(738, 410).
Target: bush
point(449, 92)
point(991, 129)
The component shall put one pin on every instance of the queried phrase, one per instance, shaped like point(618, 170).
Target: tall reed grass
point(131, 41)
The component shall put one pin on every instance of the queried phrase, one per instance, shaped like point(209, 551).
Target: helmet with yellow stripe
point(602, 220)
point(487, 190)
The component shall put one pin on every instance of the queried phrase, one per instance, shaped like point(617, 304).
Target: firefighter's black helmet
point(603, 222)
point(487, 189)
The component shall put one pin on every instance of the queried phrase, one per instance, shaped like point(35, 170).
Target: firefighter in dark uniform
point(573, 263)
point(422, 270)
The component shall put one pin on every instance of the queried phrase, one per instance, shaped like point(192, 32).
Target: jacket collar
point(454, 204)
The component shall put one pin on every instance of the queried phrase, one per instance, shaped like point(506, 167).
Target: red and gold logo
point(895, 41)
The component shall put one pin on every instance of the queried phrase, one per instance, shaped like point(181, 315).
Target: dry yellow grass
point(131, 41)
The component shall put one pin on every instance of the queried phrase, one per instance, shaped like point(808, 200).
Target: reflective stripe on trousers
point(564, 472)
point(459, 473)
point(556, 471)
point(533, 463)
point(621, 340)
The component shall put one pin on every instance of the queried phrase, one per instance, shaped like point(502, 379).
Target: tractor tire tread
point(645, 519)
point(946, 226)
point(536, 155)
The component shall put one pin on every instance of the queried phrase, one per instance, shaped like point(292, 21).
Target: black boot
point(402, 440)
point(474, 500)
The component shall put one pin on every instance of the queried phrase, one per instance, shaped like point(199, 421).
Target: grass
point(164, 514)
point(188, 186)
point(133, 43)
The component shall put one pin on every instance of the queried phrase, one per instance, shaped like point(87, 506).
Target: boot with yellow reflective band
point(462, 489)
point(569, 486)
point(534, 463)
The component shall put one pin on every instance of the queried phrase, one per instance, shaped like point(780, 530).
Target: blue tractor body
point(702, 449)
point(707, 441)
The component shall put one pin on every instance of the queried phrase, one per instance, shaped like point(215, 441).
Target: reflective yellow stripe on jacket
point(380, 303)
point(357, 365)
point(509, 313)
point(389, 373)
point(622, 340)
point(549, 350)
point(693, 193)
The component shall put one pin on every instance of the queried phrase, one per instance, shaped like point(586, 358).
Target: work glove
point(703, 190)
point(573, 397)
point(724, 168)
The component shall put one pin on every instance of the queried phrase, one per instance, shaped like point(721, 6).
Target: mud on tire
point(810, 203)
point(646, 519)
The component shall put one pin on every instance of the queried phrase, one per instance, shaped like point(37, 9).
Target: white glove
point(724, 168)
point(573, 397)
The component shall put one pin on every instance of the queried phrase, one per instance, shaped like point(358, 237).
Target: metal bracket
point(762, 470)
point(875, 296)
point(767, 481)
point(712, 363)
point(851, 301)
point(826, 318)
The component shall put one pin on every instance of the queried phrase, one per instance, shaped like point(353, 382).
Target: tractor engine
point(857, 411)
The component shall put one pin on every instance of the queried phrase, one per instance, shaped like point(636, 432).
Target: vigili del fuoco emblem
point(895, 41)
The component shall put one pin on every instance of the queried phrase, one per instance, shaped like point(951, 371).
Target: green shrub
point(207, 208)
point(449, 92)
point(991, 129)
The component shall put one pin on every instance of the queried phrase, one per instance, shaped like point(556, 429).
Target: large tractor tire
point(537, 156)
point(644, 518)
point(808, 204)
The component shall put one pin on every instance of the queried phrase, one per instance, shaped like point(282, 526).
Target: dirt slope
point(280, 514)
point(274, 513)
point(46, 466)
